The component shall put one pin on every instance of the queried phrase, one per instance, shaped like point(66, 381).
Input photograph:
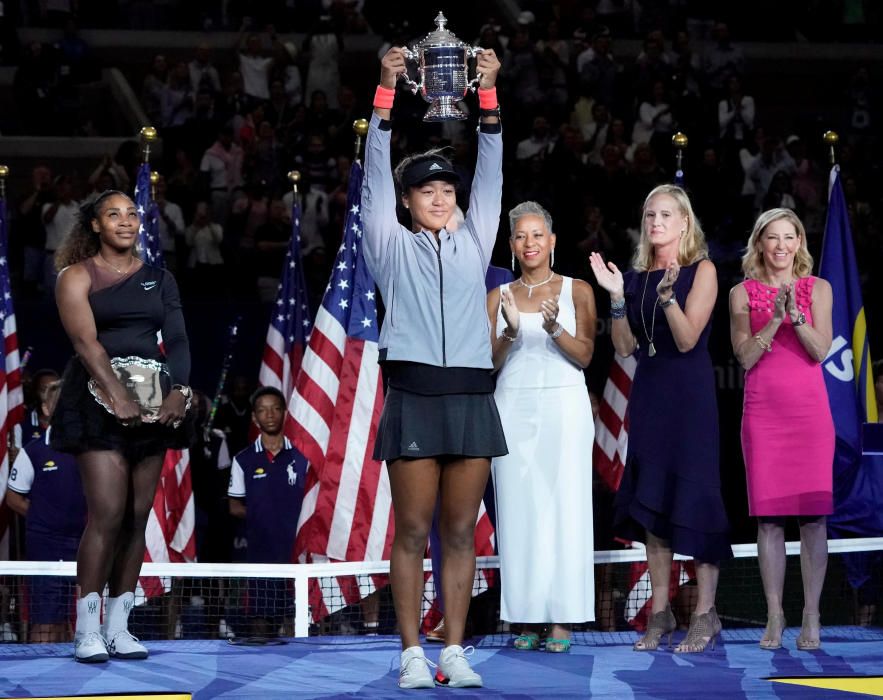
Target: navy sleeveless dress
point(671, 482)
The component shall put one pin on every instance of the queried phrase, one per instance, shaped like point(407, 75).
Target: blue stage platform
point(600, 665)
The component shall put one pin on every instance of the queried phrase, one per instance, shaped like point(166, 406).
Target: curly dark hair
point(82, 242)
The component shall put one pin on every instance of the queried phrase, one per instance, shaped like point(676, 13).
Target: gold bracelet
point(766, 345)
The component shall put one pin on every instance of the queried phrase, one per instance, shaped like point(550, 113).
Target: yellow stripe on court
point(868, 685)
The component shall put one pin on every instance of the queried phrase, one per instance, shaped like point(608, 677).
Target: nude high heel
point(659, 624)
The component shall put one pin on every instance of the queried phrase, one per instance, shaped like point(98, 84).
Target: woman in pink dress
point(780, 327)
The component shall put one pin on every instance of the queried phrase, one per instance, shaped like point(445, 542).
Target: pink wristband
point(383, 97)
point(487, 99)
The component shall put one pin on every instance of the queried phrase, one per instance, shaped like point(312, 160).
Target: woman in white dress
point(543, 335)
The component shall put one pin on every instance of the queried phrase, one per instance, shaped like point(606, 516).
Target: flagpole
point(831, 138)
point(680, 142)
point(4, 173)
point(360, 126)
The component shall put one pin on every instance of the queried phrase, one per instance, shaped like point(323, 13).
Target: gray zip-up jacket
point(434, 292)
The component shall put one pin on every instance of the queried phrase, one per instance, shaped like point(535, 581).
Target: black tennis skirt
point(80, 424)
point(415, 426)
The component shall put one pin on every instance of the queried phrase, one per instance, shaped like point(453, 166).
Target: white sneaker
point(125, 645)
point(414, 669)
point(7, 634)
point(454, 670)
point(90, 648)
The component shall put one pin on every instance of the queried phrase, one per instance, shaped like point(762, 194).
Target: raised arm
point(610, 279)
point(485, 199)
point(379, 222)
point(72, 299)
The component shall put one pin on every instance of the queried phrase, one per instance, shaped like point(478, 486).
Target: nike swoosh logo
point(148, 286)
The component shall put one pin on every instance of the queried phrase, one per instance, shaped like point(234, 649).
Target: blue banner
point(849, 378)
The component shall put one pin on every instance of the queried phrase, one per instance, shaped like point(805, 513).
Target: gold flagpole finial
point(360, 127)
point(680, 142)
point(148, 136)
point(154, 178)
point(4, 173)
point(294, 179)
point(831, 139)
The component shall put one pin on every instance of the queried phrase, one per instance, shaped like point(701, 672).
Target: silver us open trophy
point(441, 59)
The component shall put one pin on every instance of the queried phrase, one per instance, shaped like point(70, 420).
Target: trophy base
point(444, 109)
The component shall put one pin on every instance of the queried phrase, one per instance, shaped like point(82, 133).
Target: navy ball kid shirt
point(273, 489)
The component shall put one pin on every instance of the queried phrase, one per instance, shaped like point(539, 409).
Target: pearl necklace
point(531, 287)
point(115, 268)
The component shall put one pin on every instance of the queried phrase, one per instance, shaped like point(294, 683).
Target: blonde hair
point(752, 260)
point(692, 246)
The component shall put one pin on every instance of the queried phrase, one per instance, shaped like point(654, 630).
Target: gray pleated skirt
point(415, 426)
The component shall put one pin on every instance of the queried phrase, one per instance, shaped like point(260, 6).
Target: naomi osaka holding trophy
point(440, 426)
point(122, 404)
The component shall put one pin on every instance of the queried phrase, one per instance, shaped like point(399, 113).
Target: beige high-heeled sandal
point(703, 629)
point(775, 628)
point(659, 624)
point(804, 642)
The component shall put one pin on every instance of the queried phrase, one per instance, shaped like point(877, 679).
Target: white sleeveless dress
point(544, 485)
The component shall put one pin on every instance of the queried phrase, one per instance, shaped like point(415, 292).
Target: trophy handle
point(413, 86)
point(472, 52)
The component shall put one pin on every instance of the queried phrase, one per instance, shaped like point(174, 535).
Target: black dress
point(671, 482)
point(128, 314)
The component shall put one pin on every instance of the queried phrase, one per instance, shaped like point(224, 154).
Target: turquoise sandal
point(529, 641)
point(557, 646)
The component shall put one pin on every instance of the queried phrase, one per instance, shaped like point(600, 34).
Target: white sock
point(116, 617)
point(88, 614)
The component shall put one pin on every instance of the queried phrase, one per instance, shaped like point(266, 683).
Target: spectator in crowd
point(177, 106)
point(206, 263)
point(266, 490)
point(772, 159)
point(108, 175)
point(221, 166)
point(599, 71)
point(233, 104)
point(153, 88)
point(538, 143)
point(170, 224)
point(59, 218)
point(44, 487)
point(286, 71)
point(234, 412)
point(271, 244)
point(31, 230)
point(254, 63)
point(543, 478)
point(655, 124)
point(203, 74)
point(723, 60)
point(670, 498)
point(322, 49)
point(735, 114)
point(780, 326)
point(280, 109)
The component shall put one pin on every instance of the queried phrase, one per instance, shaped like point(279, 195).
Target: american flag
point(290, 325)
point(148, 213)
point(332, 419)
point(170, 534)
point(11, 398)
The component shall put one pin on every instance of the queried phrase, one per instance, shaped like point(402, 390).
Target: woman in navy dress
point(670, 496)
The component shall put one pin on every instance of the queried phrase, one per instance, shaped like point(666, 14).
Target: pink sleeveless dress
point(787, 428)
